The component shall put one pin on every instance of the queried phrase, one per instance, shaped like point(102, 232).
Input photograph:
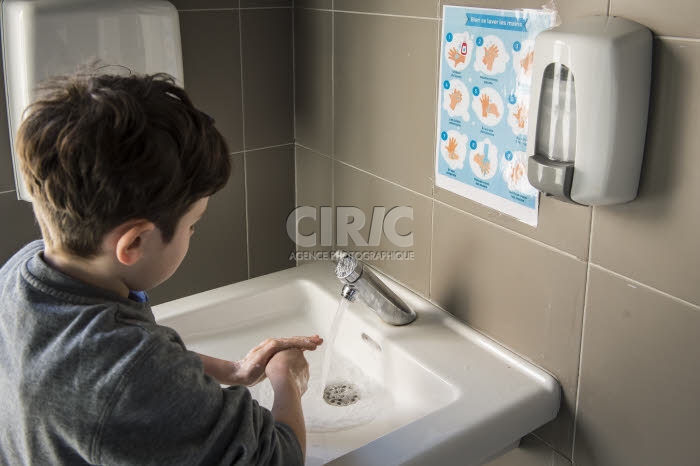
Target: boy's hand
point(288, 372)
point(251, 369)
point(288, 368)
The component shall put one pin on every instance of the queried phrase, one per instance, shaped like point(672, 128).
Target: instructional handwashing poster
point(485, 77)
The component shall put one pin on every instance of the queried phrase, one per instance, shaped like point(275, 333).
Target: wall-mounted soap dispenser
point(43, 38)
point(588, 110)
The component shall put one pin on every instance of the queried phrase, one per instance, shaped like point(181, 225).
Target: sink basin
point(434, 391)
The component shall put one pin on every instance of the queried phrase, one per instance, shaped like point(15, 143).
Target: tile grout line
point(321, 154)
point(583, 331)
point(266, 7)
point(435, 130)
point(294, 126)
point(384, 179)
point(521, 235)
point(547, 246)
point(368, 13)
point(294, 78)
point(256, 149)
point(432, 249)
point(665, 294)
point(334, 233)
point(386, 14)
point(296, 204)
point(516, 233)
point(236, 8)
point(245, 156)
point(549, 445)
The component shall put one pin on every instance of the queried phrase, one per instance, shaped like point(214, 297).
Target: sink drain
point(341, 394)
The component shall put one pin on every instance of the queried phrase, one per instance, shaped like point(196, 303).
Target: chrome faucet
point(361, 282)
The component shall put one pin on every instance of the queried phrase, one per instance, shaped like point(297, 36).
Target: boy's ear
point(131, 239)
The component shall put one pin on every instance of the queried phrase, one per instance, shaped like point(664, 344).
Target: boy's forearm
point(219, 369)
point(286, 408)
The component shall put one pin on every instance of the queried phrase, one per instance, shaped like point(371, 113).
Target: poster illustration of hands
point(485, 77)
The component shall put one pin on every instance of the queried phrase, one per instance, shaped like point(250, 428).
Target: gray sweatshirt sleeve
point(165, 410)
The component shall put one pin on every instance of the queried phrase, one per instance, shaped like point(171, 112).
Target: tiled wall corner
point(314, 188)
point(252, 102)
point(270, 190)
point(268, 90)
point(313, 85)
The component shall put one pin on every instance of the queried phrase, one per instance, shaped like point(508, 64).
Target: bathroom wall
point(606, 299)
point(238, 64)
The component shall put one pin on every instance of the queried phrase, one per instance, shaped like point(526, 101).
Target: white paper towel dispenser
point(43, 38)
point(588, 110)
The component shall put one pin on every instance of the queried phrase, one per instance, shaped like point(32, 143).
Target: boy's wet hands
point(288, 368)
point(252, 369)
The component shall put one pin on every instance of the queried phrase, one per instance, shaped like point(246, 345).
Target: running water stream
point(331, 369)
point(329, 347)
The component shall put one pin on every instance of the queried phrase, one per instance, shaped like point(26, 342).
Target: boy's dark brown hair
point(98, 150)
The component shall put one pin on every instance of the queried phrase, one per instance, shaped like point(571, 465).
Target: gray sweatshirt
point(88, 377)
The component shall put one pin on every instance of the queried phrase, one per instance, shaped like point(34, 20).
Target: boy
point(120, 169)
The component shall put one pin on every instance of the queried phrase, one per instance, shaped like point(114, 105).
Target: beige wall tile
point(653, 239)
point(212, 66)
point(314, 188)
point(7, 179)
point(204, 4)
point(355, 188)
point(313, 79)
point(640, 377)
point(324, 4)
point(426, 8)
point(270, 180)
point(524, 295)
point(562, 225)
point(567, 9)
point(385, 89)
point(218, 249)
point(265, 3)
point(19, 226)
point(669, 18)
point(268, 100)
point(531, 452)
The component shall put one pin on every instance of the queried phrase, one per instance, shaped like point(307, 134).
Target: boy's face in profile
point(160, 259)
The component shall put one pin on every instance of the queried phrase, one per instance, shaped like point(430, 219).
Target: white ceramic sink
point(432, 392)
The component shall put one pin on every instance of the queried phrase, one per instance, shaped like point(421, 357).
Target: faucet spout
point(361, 282)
